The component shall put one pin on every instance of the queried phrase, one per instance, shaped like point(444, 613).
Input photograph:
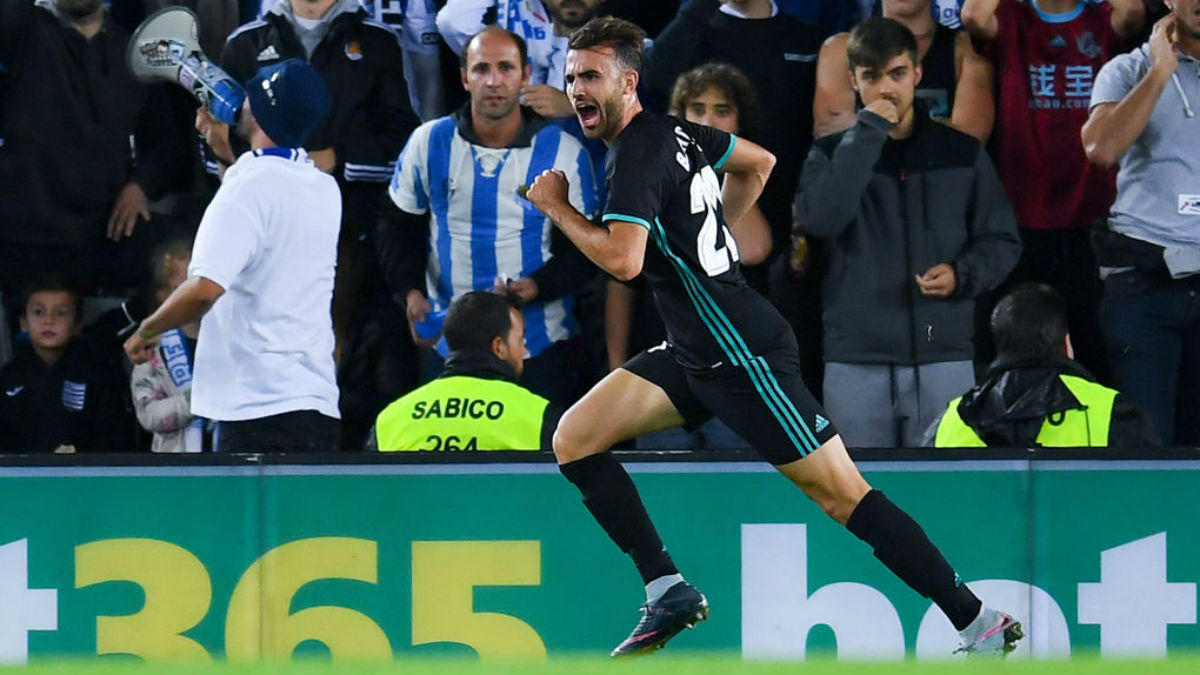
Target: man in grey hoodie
point(918, 226)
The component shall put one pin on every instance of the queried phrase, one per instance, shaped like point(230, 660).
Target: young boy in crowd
point(57, 394)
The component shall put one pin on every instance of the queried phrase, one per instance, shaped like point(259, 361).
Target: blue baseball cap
point(289, 99)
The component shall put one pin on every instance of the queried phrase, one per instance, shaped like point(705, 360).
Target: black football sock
point(613, 499)
point(902, 546)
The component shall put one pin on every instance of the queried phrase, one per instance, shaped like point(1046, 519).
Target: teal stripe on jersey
point(731, 343)
point(755, 365)
point(706, 309)
point(626, 219)
point(701, 308)
point(728, 151)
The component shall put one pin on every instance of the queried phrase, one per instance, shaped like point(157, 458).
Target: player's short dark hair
point(625, 38)
point(729, 79)
point(876, 41)
point(476, 318)
point(522, 48)
point(1030, 323)
point(53, 281)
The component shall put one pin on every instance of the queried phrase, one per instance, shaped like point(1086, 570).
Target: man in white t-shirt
point(262, 277)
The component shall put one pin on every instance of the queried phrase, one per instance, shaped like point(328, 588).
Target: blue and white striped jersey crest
point(480, 227)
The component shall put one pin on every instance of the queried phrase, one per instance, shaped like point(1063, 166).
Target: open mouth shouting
point(589, 115)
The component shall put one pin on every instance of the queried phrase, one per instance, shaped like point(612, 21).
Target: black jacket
point(890, 216)
point(1009, 407)
point(68, 107)
point(80, 401)
point(363, 67)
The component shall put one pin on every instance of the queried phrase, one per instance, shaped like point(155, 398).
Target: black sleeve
point(567, 270)
point(16, 19)
point(832, 182)
point(994, 245)
point(678, 47)
point(161, 142)
point(714, 143)
point(372, 443)
point(1130, 428)
point(107, 422)
point(403, 242)
point(389, 113)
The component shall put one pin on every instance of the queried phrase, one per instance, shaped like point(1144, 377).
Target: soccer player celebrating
point(729, 353)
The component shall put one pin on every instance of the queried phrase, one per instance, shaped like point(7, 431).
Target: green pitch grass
point(658, 664)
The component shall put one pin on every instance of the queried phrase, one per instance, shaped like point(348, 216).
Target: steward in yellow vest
point(1051, 403)
point(476, 403)
point(1034, 395)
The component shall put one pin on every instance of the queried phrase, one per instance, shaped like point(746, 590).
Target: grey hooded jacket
point(886, 225)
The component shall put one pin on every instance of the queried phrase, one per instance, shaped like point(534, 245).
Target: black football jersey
point(660, 176)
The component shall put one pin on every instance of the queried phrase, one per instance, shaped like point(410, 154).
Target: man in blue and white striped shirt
point(462, 220)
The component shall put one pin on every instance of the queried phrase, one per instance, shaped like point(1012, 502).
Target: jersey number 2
point(716, 253)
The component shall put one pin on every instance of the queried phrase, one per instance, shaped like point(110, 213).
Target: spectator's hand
point(1163, 40)
point(886, 109)
point(547, 101)
point(417, 306)
point(216, 135)
point(326, 160)
point(131, 203)
point(938, 282)
point(524, 288)
point(549, 190)
point(140, 349)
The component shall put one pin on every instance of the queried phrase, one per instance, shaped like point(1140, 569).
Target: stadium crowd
point(1057, 149)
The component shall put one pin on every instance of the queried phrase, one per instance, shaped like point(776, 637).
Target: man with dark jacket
point(476, 403)
point(918, 226)
point(69, 171)
point(363, 67)
point(1035, 394)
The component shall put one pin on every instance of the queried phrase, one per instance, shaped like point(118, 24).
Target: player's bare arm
point(746, 171)
point(618, 249)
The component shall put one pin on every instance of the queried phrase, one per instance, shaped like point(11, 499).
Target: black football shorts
point(764, 401)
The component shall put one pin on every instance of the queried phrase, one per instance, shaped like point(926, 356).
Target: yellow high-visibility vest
point(463, 413)
point(1086, 426)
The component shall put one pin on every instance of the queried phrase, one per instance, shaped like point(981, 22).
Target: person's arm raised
point(746, 170)
point(979, 18)
point(1112, 127)
point(618, 249)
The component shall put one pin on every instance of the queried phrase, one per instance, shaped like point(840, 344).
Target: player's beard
point(612, 111)
point(77, 10)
